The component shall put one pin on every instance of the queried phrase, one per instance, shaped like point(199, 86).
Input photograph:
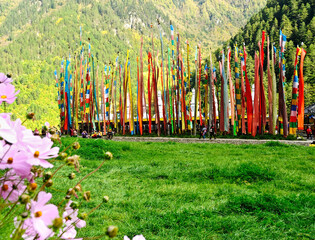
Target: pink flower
point(71, 220)
point(11, 187)
point(4, 78)
point(138, 237)
point(7, 93)
point(42, 215)
point(43, 151)
point(16, 160)
point(6, 132)
point(15, 132)
point(69, 232)
point(71, 216)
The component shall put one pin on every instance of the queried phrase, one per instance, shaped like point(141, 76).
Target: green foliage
point(198, 191)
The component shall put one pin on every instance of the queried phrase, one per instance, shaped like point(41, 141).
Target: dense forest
point(296, 18)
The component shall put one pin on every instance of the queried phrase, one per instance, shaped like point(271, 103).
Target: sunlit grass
point(197, 191)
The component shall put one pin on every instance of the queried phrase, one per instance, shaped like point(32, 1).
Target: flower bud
point(24, 199)
point(57, 223)
point(112, 231)
point(49, 183)
point(52, 131)
point(55, 138)
point(87, 195)
point(108, 155)
point(73, 160)
point(78, 188)
point(70, 191)
point(105, 199)
point(71, 176)
point(63, 155)
point(32, 187)
point(70, 161)
point(76, 145)
point(83, 216)
point(67, 197)
point(24, 215)
point(47, 175)
point(30, 115)
point(74, 205)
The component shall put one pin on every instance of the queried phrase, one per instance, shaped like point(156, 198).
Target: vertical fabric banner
point(131, 117)
point(231, 91)
point(237, 91)
point(262, 107)
point(294, 102)
point(221, 121)
point(274, 89)
point(301, 93)
point(270, 94)
point(243, 93)
point(282, 105)
point(256, 97)
point(225, 96)
point(249, 101)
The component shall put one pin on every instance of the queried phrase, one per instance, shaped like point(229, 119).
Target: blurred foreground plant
point(24, 178)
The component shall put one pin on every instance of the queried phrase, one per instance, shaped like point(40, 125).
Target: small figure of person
point(75, 133)
point(43, 131)
point(212, 133)
point(84, 134)
point(309, 133)
point(36, 132)
point(71, 132)
point(203, 132)
point(99, 135)
point(94, 135)
point(110, 134)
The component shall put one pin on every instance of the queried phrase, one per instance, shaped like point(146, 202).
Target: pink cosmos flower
point(23, 136)
point(7, 93)
point(69, 232)
point(138, 237)
point(17, 160)
point(30, 232)
point(11, 187)
point(6, 132)
point(42, 215)
point(43, 151)
point(4, 78)
point(71, 216)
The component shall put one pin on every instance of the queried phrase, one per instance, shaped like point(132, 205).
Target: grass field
point(197, 191)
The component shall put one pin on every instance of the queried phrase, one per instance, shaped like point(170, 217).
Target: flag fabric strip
point(301, 93)
point(294, 102)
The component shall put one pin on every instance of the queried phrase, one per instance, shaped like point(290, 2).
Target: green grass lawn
point(197, 191)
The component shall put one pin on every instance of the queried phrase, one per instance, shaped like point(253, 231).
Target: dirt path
point(196, 140)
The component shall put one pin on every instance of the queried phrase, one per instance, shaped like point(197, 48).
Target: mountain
point(296, 18)
point(36, 34)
